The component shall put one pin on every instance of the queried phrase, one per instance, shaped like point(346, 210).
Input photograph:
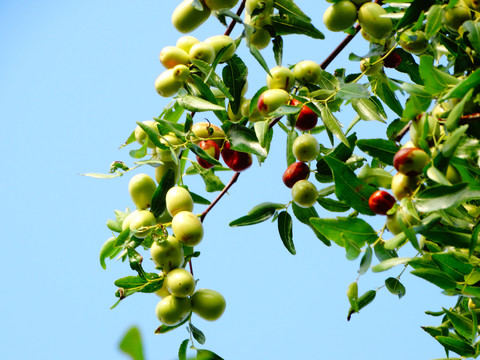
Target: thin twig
point(234, 22)
point(233, 180)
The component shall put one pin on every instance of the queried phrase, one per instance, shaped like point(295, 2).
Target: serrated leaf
point(331, 122)
point(436, 81)
point(285, 231)
point(245, 140)
point(462, 324)
point(287, 24)
point(304, 215)
point(351, 91)
point(235, 76)
point(382, 88)
point(367, 110)
point(436, 277)
point(289, 7)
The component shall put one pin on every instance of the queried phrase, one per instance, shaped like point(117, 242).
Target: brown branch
point(233, 180)
point(402, 132)
point(234, 22)
point(339, 48)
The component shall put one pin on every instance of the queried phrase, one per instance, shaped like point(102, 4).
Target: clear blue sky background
point(74, 79)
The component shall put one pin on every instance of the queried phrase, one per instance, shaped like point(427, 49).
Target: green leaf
point(258, 214)
point(194, 103)
point(383, 150)
point(197, 334)
point(367, 109)
point(285, 231)
point(107, 251)
point(457, 111)
point(409, 66)
point(304, 215)
point(139, 153)
point(472, 29)
point(162, 329)
point(395, 287)
point(197, 199)
point(258, 56)
point(434, 21)
point(363, 301)
point(331, 122)
point(289, 7)
point(452, 265)
point(462, 324)
point(333, 205)
point(197, 150)
point(440, 197)
point(365, 261)
point(131, 343)
point(212, 77)
point(277, 43)
point(349, 188)
point(342, 153)
point(352, 294)
point(382, 88)
point(244, 139)
point(158, 200)
point(458, 346)
point(436, 277)
point(286, 25)
point(377, 177)
point(413, 12)
point(182, 350)
point(389, 263)
point(351, 91)
point(436, 81)
point(212, 181)
point(235, 76)
point(203, 354)
point(459, 91)
point(354, 229)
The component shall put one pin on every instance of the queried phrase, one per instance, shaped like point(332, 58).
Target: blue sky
point(74, 79)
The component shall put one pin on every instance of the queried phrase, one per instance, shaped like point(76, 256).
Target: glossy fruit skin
point(185, 18)
point(371, 66)
point(127, 219)
point(413, 42)
point(212, 149)
point(167, 253)
point(252, 5)
point(236, 160)
point(282, 78)
point(403, 185)
point(220, 42)
point(410, 161)
point(207, 131)
point(307, 71)
point(371, 22)
point(141, 188)
point(208, 304)
point(163, 291)
point(305, 148)
point(171, 80)
point(295, 172)
point(306, 119)
point(162, 169)
point(260, 38)
point(180, 283)
point(171, 56)
point(220, 4)
point(186, 42)
point(393, 221)
point(392, 60)
point(142, 218)
point(187, 228)
point(456, 16)
point(172, 310)
point(304, 193)
point(202, 51)
point(453, 175)
point(172, 141)
point(178, 199)
point(340, 16)
point(141, 135)
point(380, 202)
point(270, 100)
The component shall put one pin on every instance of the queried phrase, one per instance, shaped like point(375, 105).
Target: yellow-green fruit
point(371, 66)
point(180, 283)
point(186, 42)
point(202, 51)
point(172, 310)
point(282, 78)
point(255, 115)
point(186, 18)
point(473, 4)
point(208, 304)
point(220, 4)
point(413, 42)
point(220, 42)
point(207, 131)
point(359, 3)
point(178, 199)
point(305, 148)
point(168, 253)
point(163, 291)
point(141, 188)
point(271, 99)
point(142, 219)
point(266, 7)
point(171, 56)
point(187, 228)
point(393, 221)
point(260, 38)
point(141, 135)
point(235, 116)
point(371, 20)
point(171, 141)
point(304, 193)
point(340, 16)
point(403, 185)
point(456, 16)
point(307, 71)
point(453, 175)
point(171, 80)
point(127, 219)
point(162, 169)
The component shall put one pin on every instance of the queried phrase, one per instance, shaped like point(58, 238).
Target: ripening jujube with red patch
point(295, 172)
point(410, 161)
point(236, 160)
point(212, 149)
point(306, 119)
point(380, 202)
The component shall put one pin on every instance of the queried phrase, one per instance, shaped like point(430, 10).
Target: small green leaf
point(194, 103)
point(197, 334)
point(389, 263)
point(462, 324)
point(258, 214)
point(353, 229)
point(203, 354)
point(366, 261)
point(108, 249)
point(244, 139)
point(352, 294)
point(434, 21)
point(285, 231)
point(212, 181)
point(304, 215)
point(383, 150)
point(458, 346)
point(158, 199)
point(363, 301)
point(289, 7)
point(131, 343)
point(162, 329)
point(367, 110)
point(285, 25)
point(395, 287)
point(182, 350)
point(436, 277)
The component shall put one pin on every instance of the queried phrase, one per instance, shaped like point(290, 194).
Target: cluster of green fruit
point(258, 17)
point(177, 60)
point(188, 15)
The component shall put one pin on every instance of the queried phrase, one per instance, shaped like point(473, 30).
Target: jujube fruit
point(305, 148)
point(208, 304)
point(295, 172)
point(178, 199)
point(167, 253)
point(307, 71)
point(171, 80)
point(220, 4)
point(403, 185)
point(186, 42)
point(212, 149)
point(171, 56)
point(202, 51)
point(371, 66)
point(173, 143)
point(236, 160)
point(141, 135)
point(413, 42)
point(270, 100)
point(207, 131)
point(172, 310)
point(142, 219)
point(456, 16)
point(340, 16)
point(380, 202)
point(220, 42)
point(306, 119)
point(410, 161)
point(266, 7)
point(304, 193)
point(180, 283)
point(186, 18)
point(393, 221)
point(141, 188)
point(371, 21)
point(187, 228)
point(282, 78)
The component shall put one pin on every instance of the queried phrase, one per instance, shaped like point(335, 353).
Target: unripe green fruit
point(143, 218)
point(141, 135)
point(208, 304)
point(282, 78)
point(220, 42)
point(172, 141)
point(340, 16)
point(178, 199)
point(413, 42)
point(127, 219)
point(369, 18)
point(255, 115)
point(171, 80)
point(187, 228)
point(371, 66)
point(304, 193)
point(260, 38)
point(163, 291)
point(186, 42)
point(172, 310)
point(393, 221)
point(234, 116)
point(307, 71)
point(141, 188)
point(202, 51)
point(410, 161)
point(305, 148)
point(456, 16)
point(265, 5)
point(220, 4)
point(453, 175)
point(206, 131)
point(167, 253)
point(185, 18)
point(180, 283)
point(171, 56)
point(441, 110)
point(162, 169)
point(359, 3)
point(270, 100)
point(403, 185)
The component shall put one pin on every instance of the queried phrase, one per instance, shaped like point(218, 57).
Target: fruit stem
point(233, 180)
